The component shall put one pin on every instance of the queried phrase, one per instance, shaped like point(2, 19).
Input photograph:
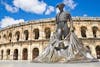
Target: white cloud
point(70, 3)
point(33, 6)
point(10, 8)
point(6, 21)
point(85, 15)
point(49, 10)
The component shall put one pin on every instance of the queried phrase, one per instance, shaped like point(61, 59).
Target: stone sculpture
point(64, 46)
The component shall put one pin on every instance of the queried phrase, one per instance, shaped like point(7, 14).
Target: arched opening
point(17, 35)
point(0, 36)
point(15, 55)
point(35, 53)
point(10, 37)
point(8, 54)
point(98, 52)
point(47, 33)
point(25, 54)
point(26, 33)
point(83, 31)
point(4, 36)
point(36, 32)
point(2, 54)
point(94, 30)
point(88, 49)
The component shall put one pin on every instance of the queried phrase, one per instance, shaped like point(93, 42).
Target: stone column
point(41, 47)
point(0, 54)
point(11, 53)
point(1, 39)
point(93, 51)
point(4, 55)
point(29, 53)
point(98, 34)
point(89, 32)
point(41, 33)
point(20, 53)
point(14, 36)
point(78, 32)
point(21, 35)
point(30, 34)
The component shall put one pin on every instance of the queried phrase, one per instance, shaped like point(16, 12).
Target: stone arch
point(8, 54)
point(2, 52)
point(94, 30)
point(83, 31)
point(35, 53)
point(26, 33)
point(36, 33)
point(98, 51)
point(0, 36)
point(47, 33)
point(25, 54)
point(17, 34)
point(10, 37)
point(4, 36)
point(15, 55)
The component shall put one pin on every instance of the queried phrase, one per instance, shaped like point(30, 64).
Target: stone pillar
point(89, 32)
point(21, 35)
point(41, 48)
point(13, 36)
point(11, 53)
point(78, 32)
point(20, 53)
point(1, 38)
point(4, 55)
point(29, 52)
point(98, 34)
point(41, 33)
point(30, 35)
point(93, 51)
point(0, 54)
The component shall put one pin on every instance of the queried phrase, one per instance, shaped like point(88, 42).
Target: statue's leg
point(65, 30)
point(59, 33)
point(58, 30)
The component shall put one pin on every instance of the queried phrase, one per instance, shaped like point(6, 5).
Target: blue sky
point(15, 11)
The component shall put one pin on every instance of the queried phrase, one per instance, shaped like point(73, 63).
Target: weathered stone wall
point(9, 41)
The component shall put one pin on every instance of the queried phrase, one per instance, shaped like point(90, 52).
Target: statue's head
point(60, 6)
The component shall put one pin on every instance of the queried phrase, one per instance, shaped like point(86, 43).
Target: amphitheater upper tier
point(25, 41)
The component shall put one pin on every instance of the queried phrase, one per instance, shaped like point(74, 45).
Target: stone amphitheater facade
point(25, 41)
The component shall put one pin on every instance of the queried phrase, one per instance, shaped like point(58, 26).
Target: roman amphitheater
point(25, 41)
